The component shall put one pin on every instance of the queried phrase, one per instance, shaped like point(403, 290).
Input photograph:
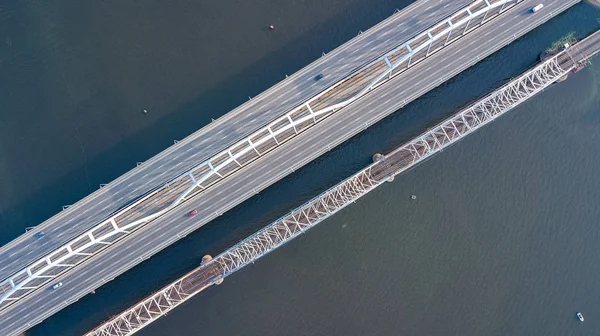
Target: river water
point(501, 239)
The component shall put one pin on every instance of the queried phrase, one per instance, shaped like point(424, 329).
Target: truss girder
point(146, 311)
point(482, 112)
point(216, 168)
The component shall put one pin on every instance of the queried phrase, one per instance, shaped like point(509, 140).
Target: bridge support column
point(205, 260)
point(378, 157)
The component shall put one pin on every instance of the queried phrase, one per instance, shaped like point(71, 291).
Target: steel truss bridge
point(191, 183)
point(336, 198)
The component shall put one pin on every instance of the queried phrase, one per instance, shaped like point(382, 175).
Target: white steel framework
point(477, 115)
point(158, 304)
point(166, 197)
point(336, 198)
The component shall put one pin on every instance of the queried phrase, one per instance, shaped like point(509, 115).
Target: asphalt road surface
point(280, 162)
point(225, 131)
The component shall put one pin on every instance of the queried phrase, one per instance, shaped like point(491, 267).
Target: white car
point(57, 285)
point(537, 8)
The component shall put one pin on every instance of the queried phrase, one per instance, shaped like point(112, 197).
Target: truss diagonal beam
point(475, 116)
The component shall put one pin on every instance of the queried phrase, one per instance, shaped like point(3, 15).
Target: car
point(537, 8)
point(193, 212)
point(57, 285)
point(319, 76)
point(39, 234)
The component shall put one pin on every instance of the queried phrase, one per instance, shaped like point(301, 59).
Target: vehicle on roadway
point(319, 76)
point(537, 8)
point(57, 285)
point(39, 234)
point(193, 212)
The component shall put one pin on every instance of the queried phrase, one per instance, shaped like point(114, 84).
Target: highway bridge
point(259, 143)
point(348, 191)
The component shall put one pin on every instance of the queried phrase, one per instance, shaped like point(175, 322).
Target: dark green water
point(502, 239)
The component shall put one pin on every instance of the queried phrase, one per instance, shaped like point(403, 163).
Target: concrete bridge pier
point(377, 157)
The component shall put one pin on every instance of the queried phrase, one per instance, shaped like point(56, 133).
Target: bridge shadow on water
point(289, 192)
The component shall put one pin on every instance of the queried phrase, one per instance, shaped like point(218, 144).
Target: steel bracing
point(296, 222)
point(148, 310)
point(336, 198)
point(202, 176)
point(159, 303)
point(235, 258)
point(484, 111)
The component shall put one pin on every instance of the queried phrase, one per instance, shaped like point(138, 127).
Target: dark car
point(319, 76)
point(39, 234)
